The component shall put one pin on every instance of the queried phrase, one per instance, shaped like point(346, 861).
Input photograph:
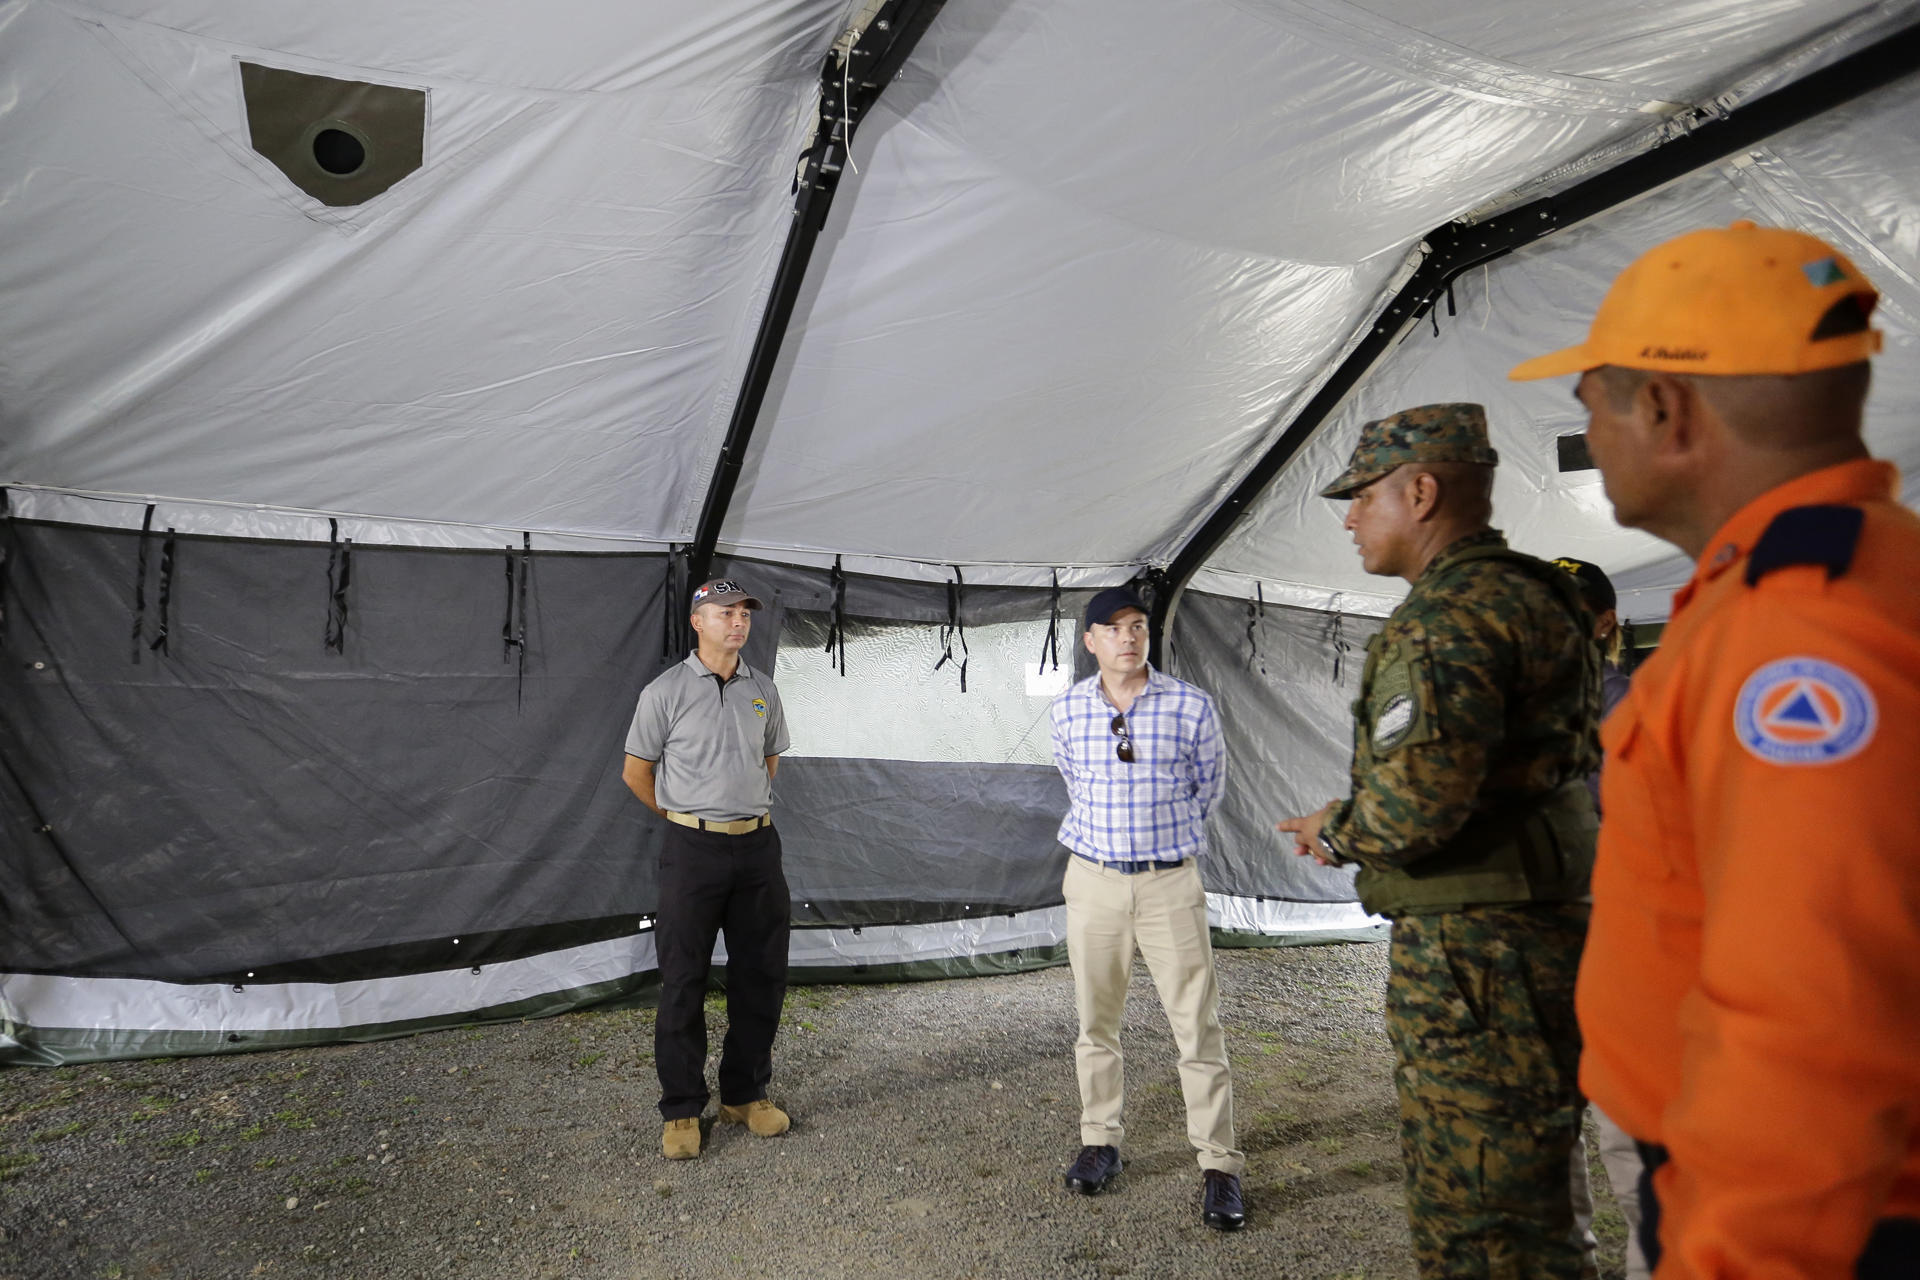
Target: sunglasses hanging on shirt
point(1125, 749)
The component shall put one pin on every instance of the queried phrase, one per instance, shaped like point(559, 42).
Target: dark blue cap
point(1102, 607)
point(1595, 586)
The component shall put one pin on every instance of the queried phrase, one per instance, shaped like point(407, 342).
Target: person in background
point(1143, 762)
point(1618, 1154)
point(1748, 995)
point(702, 750)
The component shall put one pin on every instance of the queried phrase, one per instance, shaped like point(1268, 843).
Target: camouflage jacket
point(1481, 695)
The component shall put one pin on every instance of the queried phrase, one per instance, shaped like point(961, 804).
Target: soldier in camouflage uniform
point(1474, 831)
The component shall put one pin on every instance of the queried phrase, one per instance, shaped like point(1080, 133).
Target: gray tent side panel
point(1285, 695)
point(249, 799)
point(873, 840)
point(412, 812)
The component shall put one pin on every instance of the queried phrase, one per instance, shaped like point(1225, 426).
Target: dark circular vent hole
point(338, 152)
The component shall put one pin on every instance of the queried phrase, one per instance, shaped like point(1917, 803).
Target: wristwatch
point(1326, 842)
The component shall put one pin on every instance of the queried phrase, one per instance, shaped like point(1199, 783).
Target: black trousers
point(711, 884)
point(1892, 1252)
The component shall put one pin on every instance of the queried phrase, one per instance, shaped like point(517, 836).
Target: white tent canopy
point(1087, 265)
point(1091, 259)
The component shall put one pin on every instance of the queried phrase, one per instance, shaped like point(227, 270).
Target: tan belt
point(736, 828)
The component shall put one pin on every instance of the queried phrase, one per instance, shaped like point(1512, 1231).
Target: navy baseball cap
point(1102, 608)
point(1595, 586)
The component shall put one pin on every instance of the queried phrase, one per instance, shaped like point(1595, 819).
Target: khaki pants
point(1164, 914)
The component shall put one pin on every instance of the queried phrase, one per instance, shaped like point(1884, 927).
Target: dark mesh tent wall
point(241, 836)
point(1284, 679)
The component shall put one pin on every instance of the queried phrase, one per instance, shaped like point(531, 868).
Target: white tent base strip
point(375, 389)
point(101, 1019)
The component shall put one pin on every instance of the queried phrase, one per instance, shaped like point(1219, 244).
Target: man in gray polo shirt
point(702, 751)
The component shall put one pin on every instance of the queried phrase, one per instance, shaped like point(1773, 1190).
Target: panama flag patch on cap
point(1804, 711)
point(1824, 272)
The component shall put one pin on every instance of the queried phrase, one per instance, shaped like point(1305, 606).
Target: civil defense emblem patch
point(760, 707)
point(1824, 272)
point(1804, 711)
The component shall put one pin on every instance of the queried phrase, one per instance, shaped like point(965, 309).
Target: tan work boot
point(761, 1116)
point(680, 1139)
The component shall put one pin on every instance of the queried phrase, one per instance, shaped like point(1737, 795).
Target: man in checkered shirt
point(1144, 764)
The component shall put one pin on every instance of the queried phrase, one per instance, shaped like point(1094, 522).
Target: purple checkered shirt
point(1155, 808)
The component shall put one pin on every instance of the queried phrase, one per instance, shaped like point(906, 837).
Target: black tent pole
point(846, 95)
point(1458, 247)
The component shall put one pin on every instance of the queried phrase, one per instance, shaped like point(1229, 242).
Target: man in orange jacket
point(1749, 995)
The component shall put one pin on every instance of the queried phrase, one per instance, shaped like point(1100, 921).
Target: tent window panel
point(893, 705)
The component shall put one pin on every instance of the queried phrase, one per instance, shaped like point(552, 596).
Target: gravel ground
point(931, 1121)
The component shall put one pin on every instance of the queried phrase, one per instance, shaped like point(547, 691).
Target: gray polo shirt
point(708, 741)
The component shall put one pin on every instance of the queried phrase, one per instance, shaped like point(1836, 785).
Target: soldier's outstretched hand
point(1306, 835)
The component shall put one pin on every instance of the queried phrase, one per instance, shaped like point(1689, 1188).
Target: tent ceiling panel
point(558, 47)
point(541, 328)
point(1852, 177)
point(1654, 44)
point(1309, 149)
point(1096, 255)
point(1052, 389)
point(1029, 339)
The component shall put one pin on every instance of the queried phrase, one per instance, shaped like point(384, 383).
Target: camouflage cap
point(1430, 433)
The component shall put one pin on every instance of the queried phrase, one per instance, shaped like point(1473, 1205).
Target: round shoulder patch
point(1393, 722)
point(1804, 711)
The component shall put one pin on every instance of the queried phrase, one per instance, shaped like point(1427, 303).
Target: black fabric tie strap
point(955, 627)
point(140, 586)
point(1256, 614)
point(1337, 634)
point(339, 574)
point(513, 631)
point(1050, 647)
point(520, 632)
point(159, 642)
point(506, 622)
point(672, 592)
point(676, 634)
point(837, 618)
point(6, 559)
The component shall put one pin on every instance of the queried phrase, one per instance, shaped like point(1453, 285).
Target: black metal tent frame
point(849, 91)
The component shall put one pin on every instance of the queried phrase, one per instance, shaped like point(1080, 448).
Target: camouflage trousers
point(1480, 1011)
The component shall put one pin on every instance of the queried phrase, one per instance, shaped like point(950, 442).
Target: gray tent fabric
point(1541, 299)
point(417, 818)
point(1284, 680)
point(248, 801)
point(418, 475)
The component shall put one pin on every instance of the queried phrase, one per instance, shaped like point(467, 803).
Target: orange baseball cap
point(1736, 300)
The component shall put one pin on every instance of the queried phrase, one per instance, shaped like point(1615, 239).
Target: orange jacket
point(1750, 993)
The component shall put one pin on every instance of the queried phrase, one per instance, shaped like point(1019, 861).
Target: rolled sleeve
point(1209, 758)
point(1062, 721)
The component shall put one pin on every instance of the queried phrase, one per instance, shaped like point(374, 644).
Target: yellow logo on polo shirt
point(760, 707)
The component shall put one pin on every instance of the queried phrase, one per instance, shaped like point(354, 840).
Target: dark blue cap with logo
point(1102, 608)
point(1595, 586)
